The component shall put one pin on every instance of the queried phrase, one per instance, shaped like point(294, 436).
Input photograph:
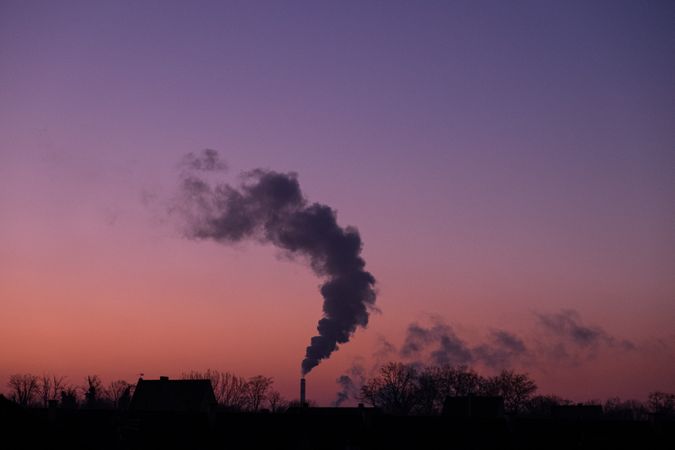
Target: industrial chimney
point(302, 393)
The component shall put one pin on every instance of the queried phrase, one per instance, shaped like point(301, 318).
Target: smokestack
point(302, 392)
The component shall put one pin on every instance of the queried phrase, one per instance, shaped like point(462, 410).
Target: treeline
point(397, 388)
point(30, 390)
point(406, 389)
point(233, 393)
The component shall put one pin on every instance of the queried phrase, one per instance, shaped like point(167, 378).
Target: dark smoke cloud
point(567, 326)
point(564, 339)
point(417, 338)
point(450, 349)
point(438, 345)
point(207, 160)
point(384, 349)
point(509, 341)
point(270, 207)
point(350, 383)
point(500, 351)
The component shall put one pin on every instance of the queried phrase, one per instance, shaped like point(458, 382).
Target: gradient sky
point(500, 159)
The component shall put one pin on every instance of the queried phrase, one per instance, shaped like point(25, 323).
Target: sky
point(509, 166)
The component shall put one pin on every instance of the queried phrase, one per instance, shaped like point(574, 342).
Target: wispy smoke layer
point(270, 207)
point(499, 350)
point(350, 383)
point(568, 327)
point(562, 336)
point(566, 339)
point(207, 160)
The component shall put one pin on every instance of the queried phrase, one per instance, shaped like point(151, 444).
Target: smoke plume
point(562, 337)
point(568, 327)
point(350, 383)
point(270, 207)
point(498, 352)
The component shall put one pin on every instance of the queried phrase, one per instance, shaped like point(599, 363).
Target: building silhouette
point(180, 396)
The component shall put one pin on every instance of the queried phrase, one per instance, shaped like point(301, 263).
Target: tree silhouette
point(458, 381)
point(125, 399)
point(515, 388)
point(661, 403)
point(94, 391)
point(116, 390)
point(394, 389)
point(257, 391)
point(276, 402)
point(49, 388)
point(397, 388)
point(403, 389)
point(230, 390)
point(24, 388)
point(69, 398)
point(427, 393)
point(616, 408)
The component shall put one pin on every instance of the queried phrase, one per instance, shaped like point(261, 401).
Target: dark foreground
point(316, 429)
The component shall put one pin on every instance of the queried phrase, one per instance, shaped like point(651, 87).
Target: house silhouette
point(164, 395)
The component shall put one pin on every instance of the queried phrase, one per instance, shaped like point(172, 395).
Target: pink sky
point(499, 162)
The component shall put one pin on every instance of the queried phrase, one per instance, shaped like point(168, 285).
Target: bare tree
point(230, 390)
point(515, 388)
point(459, 381)
point(394, 389)
point(125, 399)
point(661, 403)
point(233, 391)
point(428, 395)
point(257, 390)
point(403, 389)
point(436, 383)
point(44, 389)
point(49, 388)
point(115, 391)
point(276, 402)
point(69, 397)
point(93, 391)
point(616, 408)
point(24, 388)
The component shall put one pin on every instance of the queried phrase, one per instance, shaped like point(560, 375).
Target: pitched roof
point(173, 396)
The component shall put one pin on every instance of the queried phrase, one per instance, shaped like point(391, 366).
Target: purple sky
point(500, 159)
